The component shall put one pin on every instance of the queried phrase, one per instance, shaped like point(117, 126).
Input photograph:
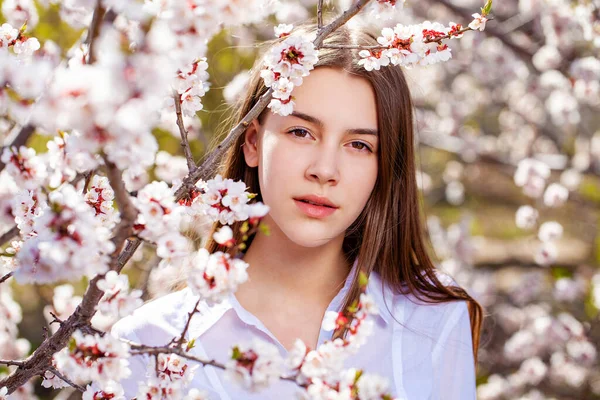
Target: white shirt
point(424, 350)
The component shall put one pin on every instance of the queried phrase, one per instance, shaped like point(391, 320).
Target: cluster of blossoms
point(214, 276)
point(411, 45)
point(192, 84)
point(117, 301)
point(68, 241)
point(422, 44)
point(157, 210)
point(11, 37)
point(285, 65)
point(101, 359)
point(226, 201)
point(111, 391)
point(352, 385)
point(255, 366)
point(168, 380)
point(100, 196)
point(532, 176)
point(535, 334)
point(24, 166)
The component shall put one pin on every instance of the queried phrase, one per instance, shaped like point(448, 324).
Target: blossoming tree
point(82, 208)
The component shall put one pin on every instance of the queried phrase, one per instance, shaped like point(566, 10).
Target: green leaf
point(236, 354)
point(72, 345)
point(190, 345)
point(487, 8)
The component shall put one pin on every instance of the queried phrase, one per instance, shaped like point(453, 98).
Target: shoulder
point(408, 309)
point(156, 320)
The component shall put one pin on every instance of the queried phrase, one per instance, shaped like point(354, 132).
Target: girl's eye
point(299, 132)
point(361, 146)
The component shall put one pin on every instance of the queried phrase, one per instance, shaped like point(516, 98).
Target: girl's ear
point(251, 144)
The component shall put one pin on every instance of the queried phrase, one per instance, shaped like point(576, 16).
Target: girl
point(339, 178)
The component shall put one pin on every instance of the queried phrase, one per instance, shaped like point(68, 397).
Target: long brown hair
point(388, 236)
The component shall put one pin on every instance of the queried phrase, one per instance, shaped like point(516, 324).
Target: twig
point(67, 380)
point(11, 362)
point(320, 15)
point(126, 208)
point(19, 140)
point(88, 178)
point(137, 349)
point(184, 135)
point(94, 31)
point(5, 277)
point(181, 339)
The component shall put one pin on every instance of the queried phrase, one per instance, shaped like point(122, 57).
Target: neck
point(281, 267)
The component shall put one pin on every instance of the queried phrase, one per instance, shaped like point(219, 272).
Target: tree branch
point(184, 135)
point(320, 15)
point(94, 31)
point(5, 277)
point(181, 338)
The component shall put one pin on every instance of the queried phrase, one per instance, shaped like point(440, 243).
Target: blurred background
point(528, 87)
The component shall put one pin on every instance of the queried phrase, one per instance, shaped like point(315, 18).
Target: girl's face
point(327, 148)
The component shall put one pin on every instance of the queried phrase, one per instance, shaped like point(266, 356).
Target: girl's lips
point(313, 210)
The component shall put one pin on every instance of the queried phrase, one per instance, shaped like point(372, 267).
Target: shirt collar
point(209, 314)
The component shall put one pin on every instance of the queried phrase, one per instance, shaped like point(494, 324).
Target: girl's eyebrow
point(320, 124)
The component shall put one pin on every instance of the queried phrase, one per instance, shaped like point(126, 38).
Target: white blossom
point(555, 195)
point(214, 276)
point(255, 366)
point(526, 217)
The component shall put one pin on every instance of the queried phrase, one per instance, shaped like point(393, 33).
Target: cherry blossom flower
point(555, 195)
point(255, 366)
point(3, 393)
point(526, 217)
point(282, 30)
point(550, 231)
point(117, 301)
point(111, 391)
point(24, 166)
point(546, 253)
point(100, 196)
point(478, 22)
point(214, 276)
point(224, 236)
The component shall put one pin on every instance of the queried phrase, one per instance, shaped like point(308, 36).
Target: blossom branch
point(184, 134)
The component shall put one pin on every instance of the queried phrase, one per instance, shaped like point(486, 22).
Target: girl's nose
point(324, 166)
